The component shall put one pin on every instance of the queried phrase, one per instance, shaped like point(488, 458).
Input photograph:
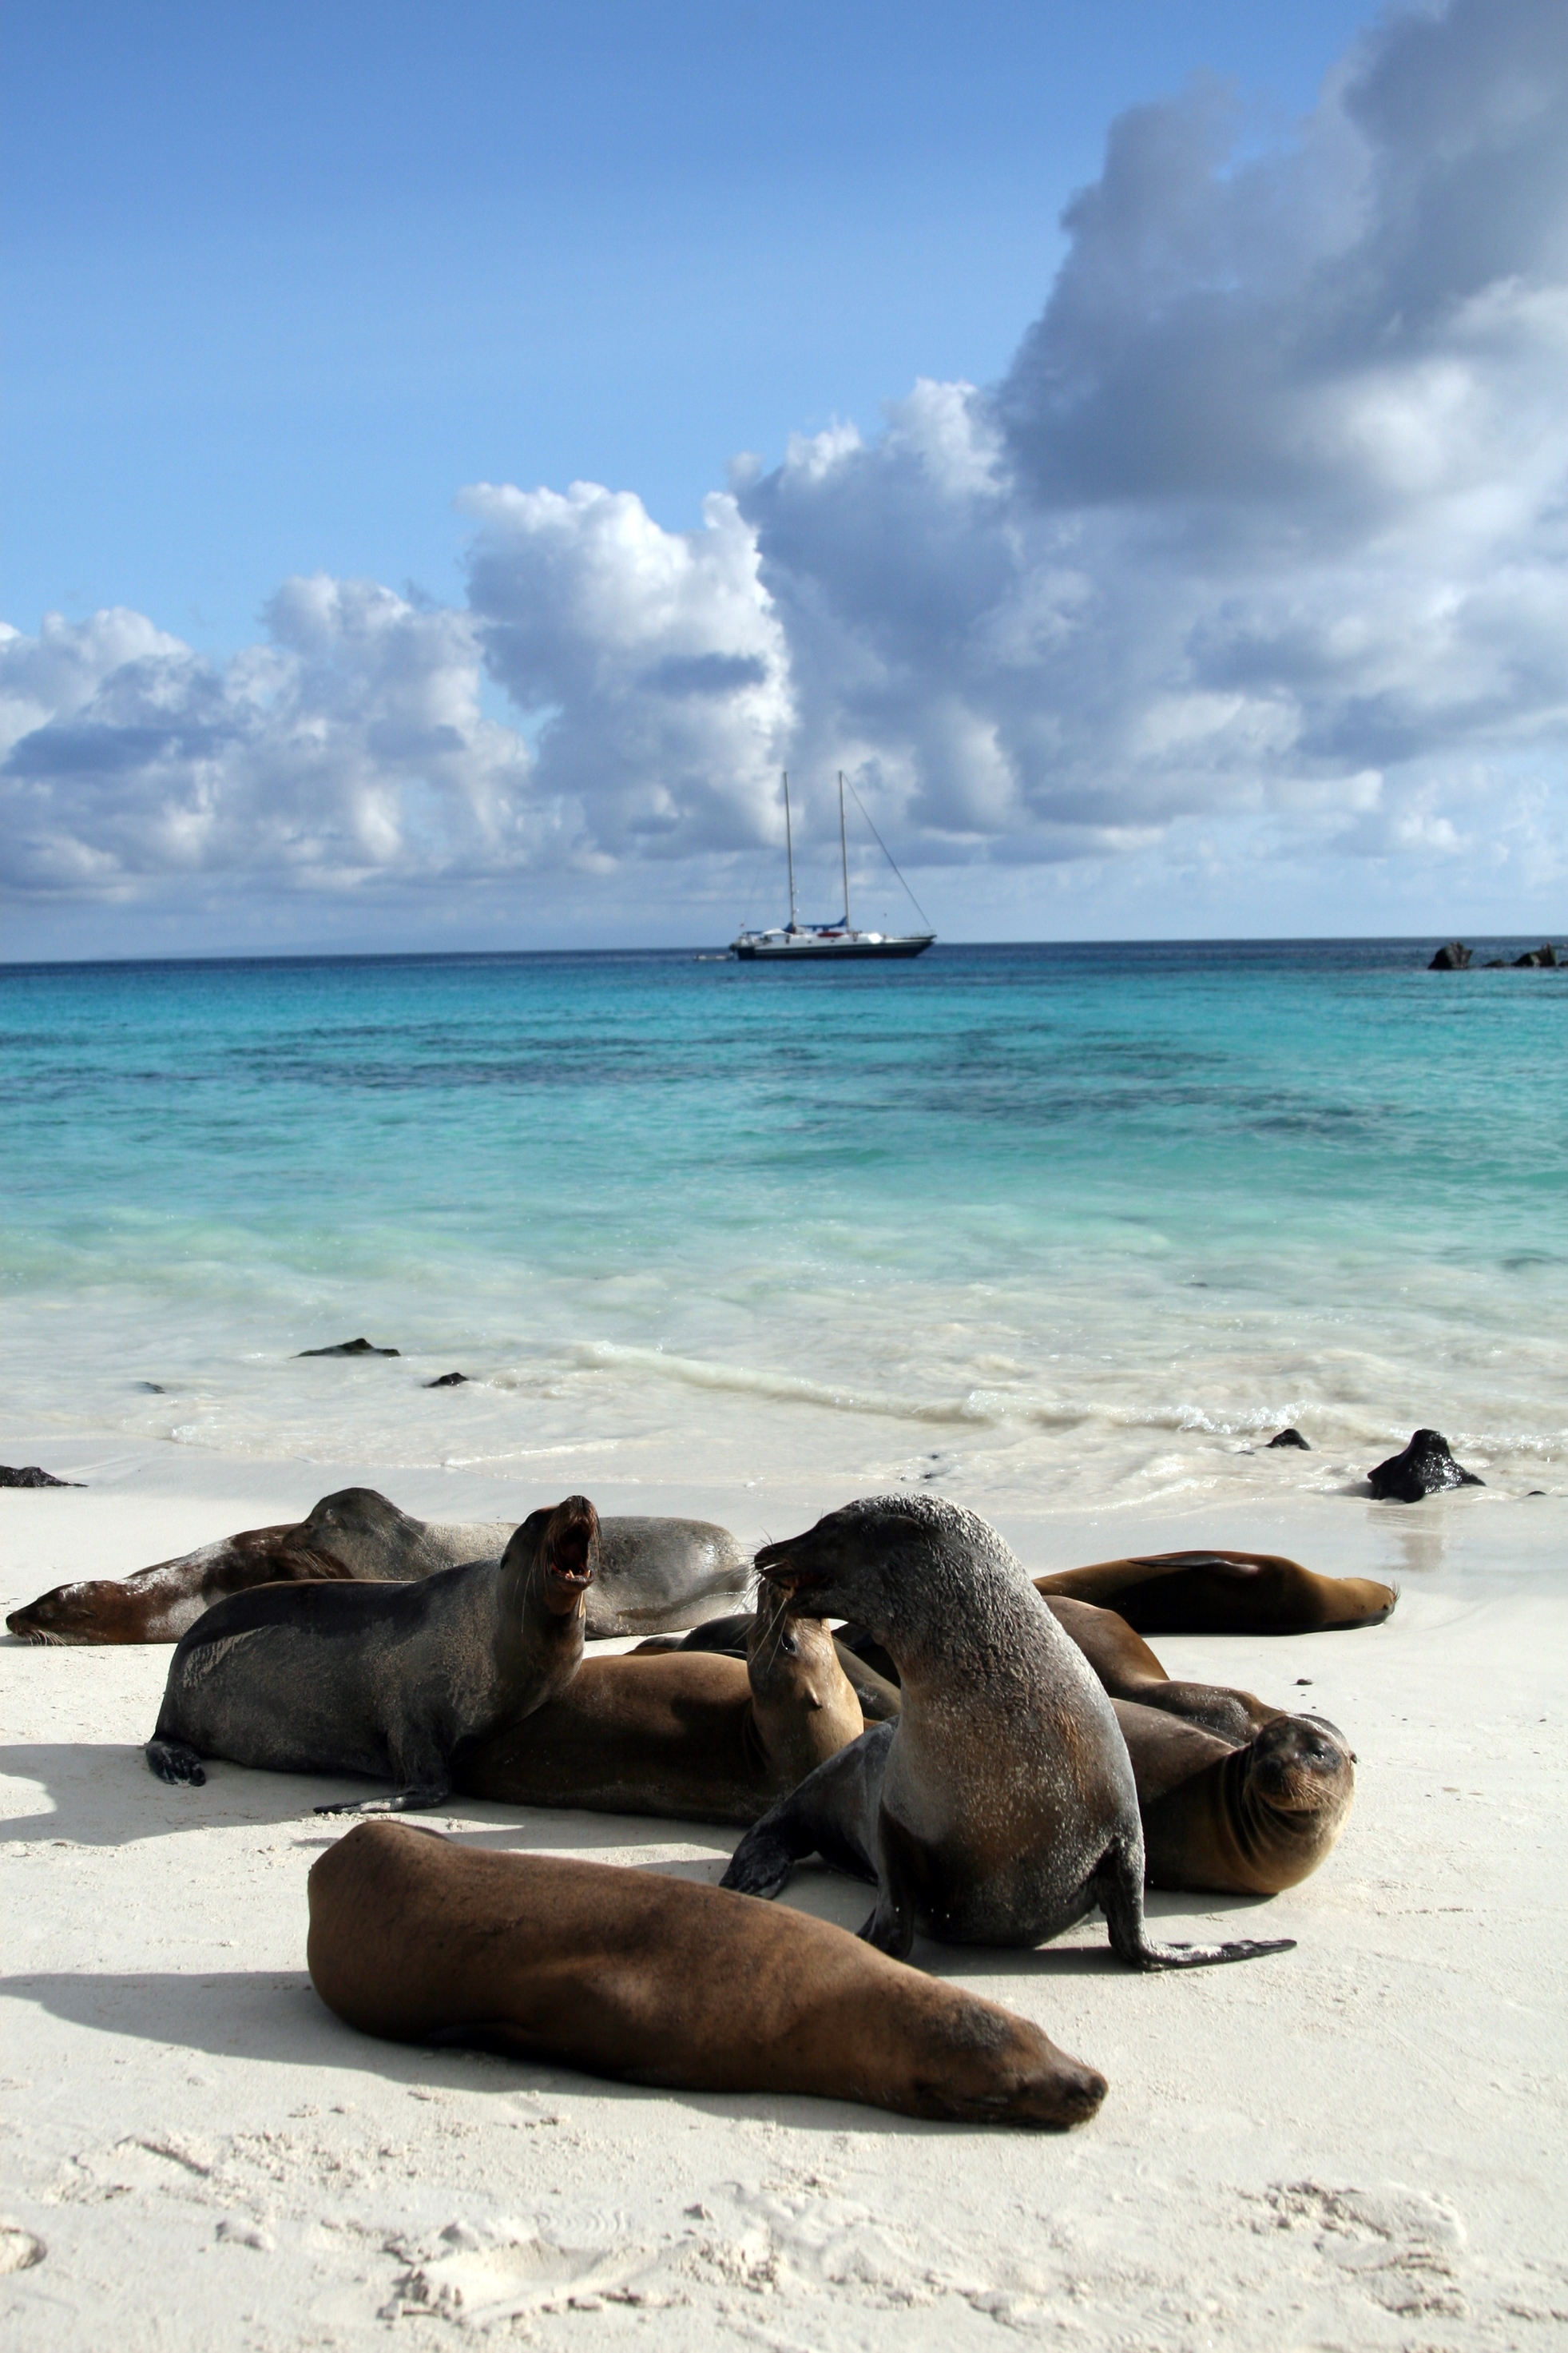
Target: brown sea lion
point(388, 1680)
point(1223, 1593)
point(1239, 1820)
point(876, 1687)
point(656, 1980)
point(695, 1734)
point(1000, 1807)
point(652, 1572)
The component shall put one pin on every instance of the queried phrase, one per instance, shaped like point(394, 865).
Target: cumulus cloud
point(350, 745)
point(655, 659)
point(1258, 553)
point(1266, 523)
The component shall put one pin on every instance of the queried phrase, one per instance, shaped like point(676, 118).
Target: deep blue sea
point(1086, 1220)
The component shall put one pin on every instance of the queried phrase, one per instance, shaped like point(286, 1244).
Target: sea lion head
point(97, 1611)
point(559, 1546)
point(1299, 1778)
point(789, 1658)
point(893, 1563)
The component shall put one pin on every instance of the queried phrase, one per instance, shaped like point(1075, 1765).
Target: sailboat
point(798, 942)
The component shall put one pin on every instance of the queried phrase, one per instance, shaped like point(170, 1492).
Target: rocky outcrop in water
point(1290, 1437)
point(446, 1381)
point(349, 1348)
point(1544, 954)
point(1424, 1468)
point(1454, 958)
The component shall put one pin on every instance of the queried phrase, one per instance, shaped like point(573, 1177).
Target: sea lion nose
point(782, 1565)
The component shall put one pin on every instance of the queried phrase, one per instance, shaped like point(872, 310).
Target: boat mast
point(789, 852)
point(843, 850)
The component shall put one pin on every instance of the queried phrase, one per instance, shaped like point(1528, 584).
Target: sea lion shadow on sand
point(98, 1800)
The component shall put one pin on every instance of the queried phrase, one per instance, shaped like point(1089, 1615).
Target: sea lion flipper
point(177, 1762)
point(1118, 1889)
point(891, 1927)
point(424, 1798)
point(830, 1813)
point(761, 1863)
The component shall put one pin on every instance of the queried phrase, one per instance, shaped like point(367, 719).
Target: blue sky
point(284, 287)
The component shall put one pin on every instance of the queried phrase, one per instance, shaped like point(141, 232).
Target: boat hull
point(831, 951)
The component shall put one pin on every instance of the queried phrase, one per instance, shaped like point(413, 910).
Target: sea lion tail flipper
point(175, 1761)
point(422, 1800)
point(1119, 1892)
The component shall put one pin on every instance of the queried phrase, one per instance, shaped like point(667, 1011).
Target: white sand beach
point(1357, 2144)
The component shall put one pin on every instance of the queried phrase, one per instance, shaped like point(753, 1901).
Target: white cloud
point(655, 656)
point(1255, 561)
point(351, 746)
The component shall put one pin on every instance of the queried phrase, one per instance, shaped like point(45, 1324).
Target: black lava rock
point(1454, 958)
point(31, 1476)
point(1423, 1469)
point(1291, 1437)
point(350, 1348)
point(446, 1381)
point(1544, 954)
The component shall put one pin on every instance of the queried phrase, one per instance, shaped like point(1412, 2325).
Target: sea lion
point(377, 1679)
point(695, 1734)
point(652, 1572)
point(1239, 1820)
point(1124, 1663)
point(1000, 1807)
point(656, 1980)
point(874, 1685)
point(1223, 1593)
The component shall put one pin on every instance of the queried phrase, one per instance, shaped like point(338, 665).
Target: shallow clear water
point(1076, 1221)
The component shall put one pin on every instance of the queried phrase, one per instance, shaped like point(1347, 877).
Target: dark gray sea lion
point(1000, 1807)
point(383, 1680)
point(1426, 1467)
point(692, 1733)
point(655, 1980)
point(652, 1573)
point(1245, 1819)
point(1126, 1666)
point(1223, 1593)
point(1291, 1436)
point(660, 1574)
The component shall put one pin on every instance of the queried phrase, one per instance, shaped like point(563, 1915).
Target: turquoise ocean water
point(1079, 1222)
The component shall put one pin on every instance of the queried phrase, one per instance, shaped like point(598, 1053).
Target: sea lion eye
point(787, 1642)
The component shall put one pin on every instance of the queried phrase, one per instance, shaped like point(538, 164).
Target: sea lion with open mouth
point(1000, 1807)
point(696, 1734)
point(653, 1572)
point(652, 1979)
point(387, 1680)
